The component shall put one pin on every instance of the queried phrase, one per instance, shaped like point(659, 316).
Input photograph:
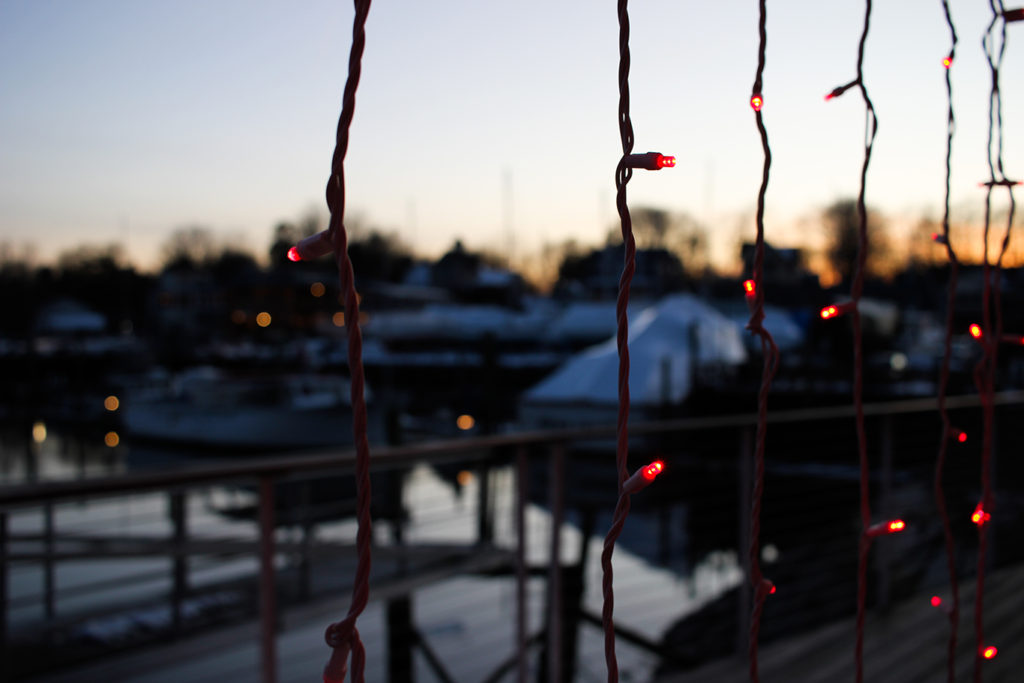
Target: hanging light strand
point(991, 329)
point(623, 173)
point(770, 353)
point(343, 636)
point(856, 290)
point(948, 432)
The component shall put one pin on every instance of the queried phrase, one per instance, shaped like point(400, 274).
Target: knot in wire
point(341, 634)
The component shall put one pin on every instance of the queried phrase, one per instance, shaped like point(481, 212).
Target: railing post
point(745, 471)
point(402, 635)
point(179, 560)
point(522, 473)
point(306, 543)
point(4, 658)
point(882, 550)
point(556, 496)
point(484, 523)
point(268, 595)
point(49, 583)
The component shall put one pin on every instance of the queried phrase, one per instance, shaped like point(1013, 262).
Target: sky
point(490, 122)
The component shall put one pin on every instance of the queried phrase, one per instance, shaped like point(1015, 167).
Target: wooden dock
point(908, 644)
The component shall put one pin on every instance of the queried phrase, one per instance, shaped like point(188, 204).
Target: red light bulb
point(936, 601)
point(836, 310)
point(884, 528)
point(975, 330)
point(990, 652)
point(756, 102)
point(642, 477)
point(651, 161)
point(772, 591)
point(947, 62)
point(653, 470)
point(979, 516)
point(312, 247)
point(749, 287)
point(962, 437)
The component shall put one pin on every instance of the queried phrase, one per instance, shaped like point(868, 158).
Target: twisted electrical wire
point(947, 429)
point(985, 370)
point(770, 352)
point(343, 636)
point(856, 290)
point(622, 175)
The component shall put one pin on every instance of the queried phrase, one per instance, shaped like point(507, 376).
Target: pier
point(485, 559)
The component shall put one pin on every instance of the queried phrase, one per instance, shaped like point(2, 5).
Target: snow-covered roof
point(66, 317)
point(587, 320)
point(665, 341)
point(444, 321)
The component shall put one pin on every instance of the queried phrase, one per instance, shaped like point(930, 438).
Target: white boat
point(675, 345)
point(205, 407)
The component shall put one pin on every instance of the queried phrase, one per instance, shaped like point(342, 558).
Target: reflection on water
point(134, 591)
point(43, 453)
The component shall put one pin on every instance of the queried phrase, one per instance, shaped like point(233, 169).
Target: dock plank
point(906, 644)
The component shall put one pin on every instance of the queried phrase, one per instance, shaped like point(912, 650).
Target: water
point(468, 620)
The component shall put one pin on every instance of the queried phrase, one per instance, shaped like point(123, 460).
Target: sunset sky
point(122, 120)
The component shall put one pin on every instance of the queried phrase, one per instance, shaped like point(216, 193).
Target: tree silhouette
point(842, 225)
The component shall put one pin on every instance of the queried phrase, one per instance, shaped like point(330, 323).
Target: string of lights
point(856, 290)
point(343, 636)
point(760, 587)
point(990, 334)
point(948, 432)
point(652, 161)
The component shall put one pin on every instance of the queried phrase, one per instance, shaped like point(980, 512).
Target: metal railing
point(279, 489)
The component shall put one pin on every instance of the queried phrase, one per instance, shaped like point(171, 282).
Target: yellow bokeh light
point(263, 319)
point(338, 319)
point(317, 289)
point(465, 422)
point(39, 432)
point(464, 477)
point(111, 439)
point(111, 403)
